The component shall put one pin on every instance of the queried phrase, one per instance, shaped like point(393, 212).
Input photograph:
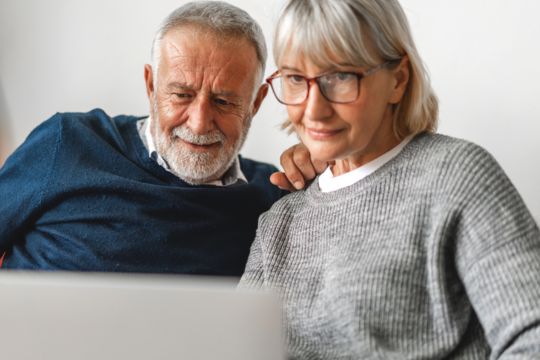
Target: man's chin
point(203, 167)
point(197, 178)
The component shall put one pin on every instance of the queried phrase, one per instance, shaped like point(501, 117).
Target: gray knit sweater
point(433, 256)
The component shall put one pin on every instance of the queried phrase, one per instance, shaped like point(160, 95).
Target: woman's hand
point(298, 168)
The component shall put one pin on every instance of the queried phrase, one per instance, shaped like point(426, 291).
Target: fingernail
point(298, 185)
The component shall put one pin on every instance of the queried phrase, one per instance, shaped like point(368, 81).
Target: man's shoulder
point(96, 119)
point(253, 168)
point(258, 174)
point(77, 128)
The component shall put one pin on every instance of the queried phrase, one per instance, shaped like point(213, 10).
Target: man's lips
point(200, 146)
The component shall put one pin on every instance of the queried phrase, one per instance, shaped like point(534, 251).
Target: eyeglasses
point(336, 87)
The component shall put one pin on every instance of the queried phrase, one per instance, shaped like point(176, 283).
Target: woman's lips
point(321, 134)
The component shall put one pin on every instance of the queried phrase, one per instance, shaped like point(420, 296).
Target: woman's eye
point(343, 76)
point(294, 79)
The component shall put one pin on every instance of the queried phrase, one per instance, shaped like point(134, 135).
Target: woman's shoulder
point(290, 203)
point(445, 143)
point(450, 151)
point(457, 167)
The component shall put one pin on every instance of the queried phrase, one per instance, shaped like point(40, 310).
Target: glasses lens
point(340, 87)
point(290, 89)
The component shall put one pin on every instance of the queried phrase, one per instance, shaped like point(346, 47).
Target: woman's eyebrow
point(332, 67)
point(292, 68)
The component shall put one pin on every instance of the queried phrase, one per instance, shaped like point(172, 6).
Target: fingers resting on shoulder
point(298, 168)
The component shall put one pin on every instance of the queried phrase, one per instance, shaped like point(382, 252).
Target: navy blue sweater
point(81, 193)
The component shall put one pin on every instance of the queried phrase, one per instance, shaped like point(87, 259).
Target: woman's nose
point(317, 106)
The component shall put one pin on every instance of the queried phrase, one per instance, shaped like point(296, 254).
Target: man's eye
point(182, 96)
point(222, 102)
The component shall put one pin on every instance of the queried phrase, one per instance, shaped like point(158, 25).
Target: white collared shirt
point(231, 176)
point(328, 182)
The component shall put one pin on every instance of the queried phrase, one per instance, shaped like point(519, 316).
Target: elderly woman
point(411, 245)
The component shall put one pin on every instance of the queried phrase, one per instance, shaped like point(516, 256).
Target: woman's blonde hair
point(362, 33)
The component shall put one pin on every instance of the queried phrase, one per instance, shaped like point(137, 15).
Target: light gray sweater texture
point(433, 256)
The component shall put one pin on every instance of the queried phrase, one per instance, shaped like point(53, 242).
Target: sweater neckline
point(328, 182)
point(314, 193)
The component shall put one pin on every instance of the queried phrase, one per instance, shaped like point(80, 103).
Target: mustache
point(184, 133)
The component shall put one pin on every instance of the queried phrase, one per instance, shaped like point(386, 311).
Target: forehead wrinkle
point(177, 78)
point(193, 79)
point(172, 51)
point(171, 46)
point(222, 77)
point(183, 72)
point(200, 72)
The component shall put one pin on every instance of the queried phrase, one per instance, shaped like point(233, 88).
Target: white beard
point(197, 167)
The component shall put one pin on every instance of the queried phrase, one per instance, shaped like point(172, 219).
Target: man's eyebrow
point(227, 94)
point(179, 85)
point(183, 86)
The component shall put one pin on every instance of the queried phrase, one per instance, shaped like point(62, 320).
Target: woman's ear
point(401, 75)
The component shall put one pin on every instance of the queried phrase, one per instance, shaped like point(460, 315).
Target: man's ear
point(149, 81)
point(401, 76)
point(261, 94)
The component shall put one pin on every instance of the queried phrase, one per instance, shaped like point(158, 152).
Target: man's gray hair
point(221, 18)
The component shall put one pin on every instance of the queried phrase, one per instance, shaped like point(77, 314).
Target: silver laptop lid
point(82, 316)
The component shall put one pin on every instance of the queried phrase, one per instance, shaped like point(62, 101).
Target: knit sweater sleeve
point(24, 178)
point(497, 254)
point(253, 277)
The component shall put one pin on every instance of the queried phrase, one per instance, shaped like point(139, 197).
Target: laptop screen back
point(66, 316)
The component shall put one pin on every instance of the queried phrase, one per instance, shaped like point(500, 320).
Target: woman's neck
point(342, 166)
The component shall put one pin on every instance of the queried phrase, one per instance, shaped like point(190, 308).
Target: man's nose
point(317, 107)
point(201, 120)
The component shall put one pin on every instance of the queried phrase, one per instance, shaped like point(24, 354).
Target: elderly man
point(165, 193)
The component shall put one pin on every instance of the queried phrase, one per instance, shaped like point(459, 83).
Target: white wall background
point(483, 55)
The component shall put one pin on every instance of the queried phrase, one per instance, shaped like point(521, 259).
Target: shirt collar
point(231, 176)
point(328, 182)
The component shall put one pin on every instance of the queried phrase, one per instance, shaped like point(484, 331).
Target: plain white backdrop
point(483, 55)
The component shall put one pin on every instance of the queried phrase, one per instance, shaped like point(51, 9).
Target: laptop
point(99, 316)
